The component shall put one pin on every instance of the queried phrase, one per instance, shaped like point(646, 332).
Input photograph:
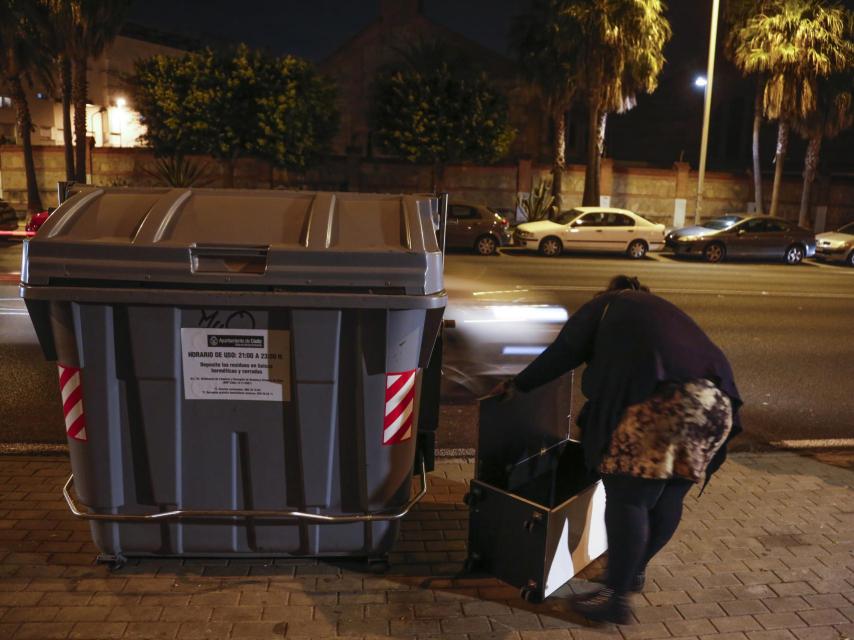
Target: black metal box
point(537, 516)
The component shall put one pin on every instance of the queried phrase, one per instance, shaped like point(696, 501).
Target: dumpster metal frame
point(177, 514)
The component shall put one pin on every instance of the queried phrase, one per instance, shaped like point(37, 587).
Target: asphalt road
point(787, 331)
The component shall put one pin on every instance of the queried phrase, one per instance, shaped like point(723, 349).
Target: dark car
point(710, 226)
point(8, 217)
point(476, 227)
point(753, 237)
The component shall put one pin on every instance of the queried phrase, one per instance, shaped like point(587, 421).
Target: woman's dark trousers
point(641, 516)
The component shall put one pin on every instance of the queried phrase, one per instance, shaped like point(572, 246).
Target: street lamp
point(707, 108)
point(700, 82)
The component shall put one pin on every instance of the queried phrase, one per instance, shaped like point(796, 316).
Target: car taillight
point(505, 222)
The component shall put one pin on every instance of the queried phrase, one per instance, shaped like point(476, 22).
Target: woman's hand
point(502, 388)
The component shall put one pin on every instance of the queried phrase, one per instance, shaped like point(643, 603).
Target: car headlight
point(525, 235)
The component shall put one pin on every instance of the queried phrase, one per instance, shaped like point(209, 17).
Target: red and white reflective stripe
point(399, 405)
point(72, 402)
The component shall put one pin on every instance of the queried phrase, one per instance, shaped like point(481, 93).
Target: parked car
point(593, 229)
point(476, 227)
point(753, 237)
point(710, 226)
point(36, 220)
point(836, 246)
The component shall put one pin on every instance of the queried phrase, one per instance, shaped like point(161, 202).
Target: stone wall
point(663, 195)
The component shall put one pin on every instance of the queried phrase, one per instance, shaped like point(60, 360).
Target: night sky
point(315, 28)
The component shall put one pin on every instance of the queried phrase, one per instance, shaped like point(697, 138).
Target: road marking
point(708, 292)
point(807, 443)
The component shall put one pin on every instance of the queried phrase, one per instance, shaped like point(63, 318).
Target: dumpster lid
point(230, 237)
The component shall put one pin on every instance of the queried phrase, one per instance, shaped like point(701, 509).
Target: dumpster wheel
point(379, 564)
point(530, 593)
point(472, 563)
point(114, 561)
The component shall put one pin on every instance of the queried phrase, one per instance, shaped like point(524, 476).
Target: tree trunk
point(559, 164)
point(228, 173)
point(810, 165)
point(779, 160)
point(67, 134)
point(591, 172)
point(757, 167)
point(79, 95)
point(25, 126)
point(600, 134)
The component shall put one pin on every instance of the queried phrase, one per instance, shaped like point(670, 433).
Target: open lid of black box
point(524, 446)
point(521, 435)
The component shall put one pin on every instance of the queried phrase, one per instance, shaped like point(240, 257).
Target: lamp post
point(707, 108)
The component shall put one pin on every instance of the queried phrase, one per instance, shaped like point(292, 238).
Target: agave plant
point(537, 205)
point(180, 171)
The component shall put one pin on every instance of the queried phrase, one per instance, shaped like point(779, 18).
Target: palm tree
point(737, 13)
point(834, 114)
point(793, 45)
point(22, 59)
point(620, 54)
point(96, 24)
point(58, 36)
point(545, 41)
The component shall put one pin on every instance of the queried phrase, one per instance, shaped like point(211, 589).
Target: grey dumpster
point(240, 370)
point(536, 514)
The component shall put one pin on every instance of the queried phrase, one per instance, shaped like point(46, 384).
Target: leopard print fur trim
point(675, 432)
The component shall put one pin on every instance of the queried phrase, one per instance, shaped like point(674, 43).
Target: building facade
point(400, 23)
point(110, 118)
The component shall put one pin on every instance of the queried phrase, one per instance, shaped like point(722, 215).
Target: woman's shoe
point(638, 582)
point(604, 605)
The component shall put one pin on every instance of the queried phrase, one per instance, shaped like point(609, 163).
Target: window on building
point(5, 102)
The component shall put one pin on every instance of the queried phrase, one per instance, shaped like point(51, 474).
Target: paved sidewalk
point(766, 554)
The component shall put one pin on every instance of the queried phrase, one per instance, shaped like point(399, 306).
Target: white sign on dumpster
point(236, 364)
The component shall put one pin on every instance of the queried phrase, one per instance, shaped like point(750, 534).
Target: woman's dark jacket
point(631, 342)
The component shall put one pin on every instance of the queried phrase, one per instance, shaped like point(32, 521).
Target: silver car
point(836, 246)
point(710, 226)
point(754, 237)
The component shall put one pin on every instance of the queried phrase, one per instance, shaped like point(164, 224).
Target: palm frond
point(794, 44)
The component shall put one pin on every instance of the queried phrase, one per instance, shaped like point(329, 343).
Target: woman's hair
point(621, 282)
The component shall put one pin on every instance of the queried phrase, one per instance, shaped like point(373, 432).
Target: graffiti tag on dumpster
point(222, 363)
point(235, 319)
